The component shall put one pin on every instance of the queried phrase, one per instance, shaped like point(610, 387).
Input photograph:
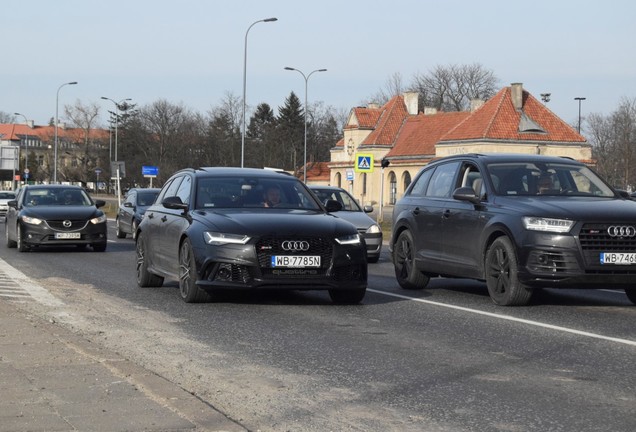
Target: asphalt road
point(440, 359)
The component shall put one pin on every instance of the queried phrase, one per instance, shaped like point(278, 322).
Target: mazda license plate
point(624, 258)
point(295, 261)
point(68, 236)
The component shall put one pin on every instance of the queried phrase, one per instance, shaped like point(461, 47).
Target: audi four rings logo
point(67, 223)
point(295, 245)
point(621, 231)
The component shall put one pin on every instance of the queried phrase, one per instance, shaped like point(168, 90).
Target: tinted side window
point(164, 191)
point(443, 180)
point(420, 184)
point(185, 189)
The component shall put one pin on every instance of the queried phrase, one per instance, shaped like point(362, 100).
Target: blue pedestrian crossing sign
point(364, 163)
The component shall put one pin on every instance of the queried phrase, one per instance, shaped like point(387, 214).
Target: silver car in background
point(5, 197)
point(353, 213)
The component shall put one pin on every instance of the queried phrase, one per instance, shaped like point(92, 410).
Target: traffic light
point(385, 163)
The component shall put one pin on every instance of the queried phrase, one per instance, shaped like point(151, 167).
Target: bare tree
point(6, 117)
point(83, 118)
point(393, 86)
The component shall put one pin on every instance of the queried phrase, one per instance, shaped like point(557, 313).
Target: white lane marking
point(510, 318)
point(36, 291)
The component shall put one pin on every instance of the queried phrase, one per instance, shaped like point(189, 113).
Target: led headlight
point(31, 220)
point(547, 224)
point(218, 239)
point(98, 219)
point(349, 240)
point(374, 229)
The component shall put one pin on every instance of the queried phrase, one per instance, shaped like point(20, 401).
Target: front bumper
point(343, 267)
point(573, 261)
point(41, 235)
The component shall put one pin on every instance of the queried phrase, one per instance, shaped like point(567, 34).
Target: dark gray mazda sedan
point(516, 221)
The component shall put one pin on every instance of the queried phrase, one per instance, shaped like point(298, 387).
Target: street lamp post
point(306, 109)
point(245, 85)
point(116, 118)
point(57, 99)
point(26, 149)
point(579, 99)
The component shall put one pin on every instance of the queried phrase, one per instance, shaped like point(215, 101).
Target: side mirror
point(128, 204)
point(174, 203)
point(466, 194)
point(13, 204)
point(333, 205)
point(368, 209)
point(100, 203)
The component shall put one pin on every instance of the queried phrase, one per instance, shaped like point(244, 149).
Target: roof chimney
point(373, 105)
point(475, 104)
point(516, 94)
point(430, 110)
point(411, 100)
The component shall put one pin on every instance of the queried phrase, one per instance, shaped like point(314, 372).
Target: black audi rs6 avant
point(244, 228)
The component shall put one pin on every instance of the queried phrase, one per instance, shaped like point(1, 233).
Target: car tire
point(120, 233)
point(10, 243)
point(188, 289)
point(134, 229)
point(406, 273)
point(22, 247)
point(144, 277)
point(347, 297)
point(631, 294)
point(502, 278)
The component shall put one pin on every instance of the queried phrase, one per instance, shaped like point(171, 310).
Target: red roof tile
point(389, 124)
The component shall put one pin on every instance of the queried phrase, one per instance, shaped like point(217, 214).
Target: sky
point(192, 52)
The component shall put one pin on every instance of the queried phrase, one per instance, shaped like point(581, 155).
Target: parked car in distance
point(352, 212)
point(5, 197)
point(248, 229)
point(55, 215)
point(132, 209)
point(519, 222)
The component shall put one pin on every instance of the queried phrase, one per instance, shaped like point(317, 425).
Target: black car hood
point(275, 222)
point(61, 212)
point(571, 207)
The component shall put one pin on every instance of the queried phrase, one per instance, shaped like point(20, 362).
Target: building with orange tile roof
point(512, 121)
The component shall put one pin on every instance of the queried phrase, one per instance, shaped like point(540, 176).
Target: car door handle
point(447, 214)
point(416, 211)
point(150, 216)
point(164, 218)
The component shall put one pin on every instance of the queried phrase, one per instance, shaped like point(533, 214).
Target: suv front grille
point(595, 239)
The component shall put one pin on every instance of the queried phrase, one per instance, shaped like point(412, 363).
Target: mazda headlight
point(547, 224)
point(374, 229)
point(349, 240)
point(31, 220)
point(218, 239)
point(98, 219)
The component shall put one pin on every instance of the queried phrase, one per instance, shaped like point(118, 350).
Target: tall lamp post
point(57, 99)
point(26, 150)
point(245, 85)
point(306, 82)
point(579, 99)
point(116, 118)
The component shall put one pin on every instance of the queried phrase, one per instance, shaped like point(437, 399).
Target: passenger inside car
point(272, 196)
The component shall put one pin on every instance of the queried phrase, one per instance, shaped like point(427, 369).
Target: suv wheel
point(120, 233)
point(502, 275)
point(408, 276)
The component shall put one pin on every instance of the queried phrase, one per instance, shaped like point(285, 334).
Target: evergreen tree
point(262, 149)
point(290, 132)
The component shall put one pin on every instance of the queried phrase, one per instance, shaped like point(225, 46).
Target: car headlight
point(31, 220)
point(98, 219)
point(547, 224)
point(218, 239)
point(374, 229)
point(349, 239)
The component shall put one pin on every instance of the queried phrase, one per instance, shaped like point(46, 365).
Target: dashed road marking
point(16, 286)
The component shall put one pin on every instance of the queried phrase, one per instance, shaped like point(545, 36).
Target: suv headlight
point(349, 240)
point(547, 224)
point(218, 239)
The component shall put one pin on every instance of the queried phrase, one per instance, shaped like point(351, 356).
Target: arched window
point(407, 180)
point(338, 180)
point(392, 188)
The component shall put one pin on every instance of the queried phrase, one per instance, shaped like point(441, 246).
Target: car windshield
point(7, 195)
point(523, 178)
point(56, 197)
point(249, 192)
point(146, 199)
point(347, 201)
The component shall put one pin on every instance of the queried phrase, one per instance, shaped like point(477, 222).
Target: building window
point(392, 188)
point(338, 180)
point(407, 180)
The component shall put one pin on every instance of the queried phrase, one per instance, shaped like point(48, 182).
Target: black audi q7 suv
point(516, 221)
